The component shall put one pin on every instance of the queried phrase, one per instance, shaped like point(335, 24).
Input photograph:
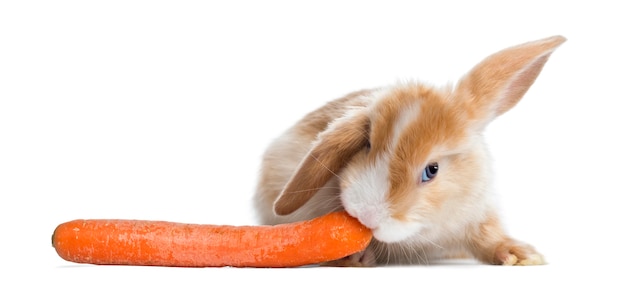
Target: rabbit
point(408, 161)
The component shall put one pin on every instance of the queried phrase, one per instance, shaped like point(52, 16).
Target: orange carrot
point(160, 243)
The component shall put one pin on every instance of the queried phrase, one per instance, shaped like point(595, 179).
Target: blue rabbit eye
point(430, 172)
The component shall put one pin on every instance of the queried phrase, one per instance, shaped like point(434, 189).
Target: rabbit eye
point(430, 172)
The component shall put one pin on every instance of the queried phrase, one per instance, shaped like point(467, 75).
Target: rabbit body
point(409, 161)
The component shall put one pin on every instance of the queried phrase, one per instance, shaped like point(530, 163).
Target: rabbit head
point(412, 156)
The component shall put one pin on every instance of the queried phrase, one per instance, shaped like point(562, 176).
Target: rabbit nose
point(369, 219)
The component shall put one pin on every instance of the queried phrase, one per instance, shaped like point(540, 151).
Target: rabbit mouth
point(394, 231)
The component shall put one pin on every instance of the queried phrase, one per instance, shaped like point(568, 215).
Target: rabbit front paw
point(516, 253)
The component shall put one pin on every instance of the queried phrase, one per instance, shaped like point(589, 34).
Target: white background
point(161, 110)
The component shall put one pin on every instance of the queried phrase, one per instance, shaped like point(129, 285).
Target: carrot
point(160, 243)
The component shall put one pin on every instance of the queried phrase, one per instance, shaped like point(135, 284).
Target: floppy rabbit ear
point(497, 83)
point(330, 153)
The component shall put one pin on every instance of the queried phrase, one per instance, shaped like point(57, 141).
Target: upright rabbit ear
point(497, 83)
point(331, 152)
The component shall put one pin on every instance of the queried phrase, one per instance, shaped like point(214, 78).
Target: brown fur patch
point(330, 154)
point(384, 116)
point(497, 83)
point(489, 244)
point(317, 121)
point(485, 237)
point(437, 124)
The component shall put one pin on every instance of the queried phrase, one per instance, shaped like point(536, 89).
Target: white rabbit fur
point(368, 151)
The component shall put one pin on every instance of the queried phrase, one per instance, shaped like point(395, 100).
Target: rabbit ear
point(330, 153)
point(497, 83)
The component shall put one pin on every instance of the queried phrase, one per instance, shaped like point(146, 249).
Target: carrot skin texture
point(160, 243)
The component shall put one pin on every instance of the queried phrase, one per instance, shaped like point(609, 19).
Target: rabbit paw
point(515, 253)
point(364, 258)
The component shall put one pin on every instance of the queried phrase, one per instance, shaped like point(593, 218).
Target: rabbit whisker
point(326, 167)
